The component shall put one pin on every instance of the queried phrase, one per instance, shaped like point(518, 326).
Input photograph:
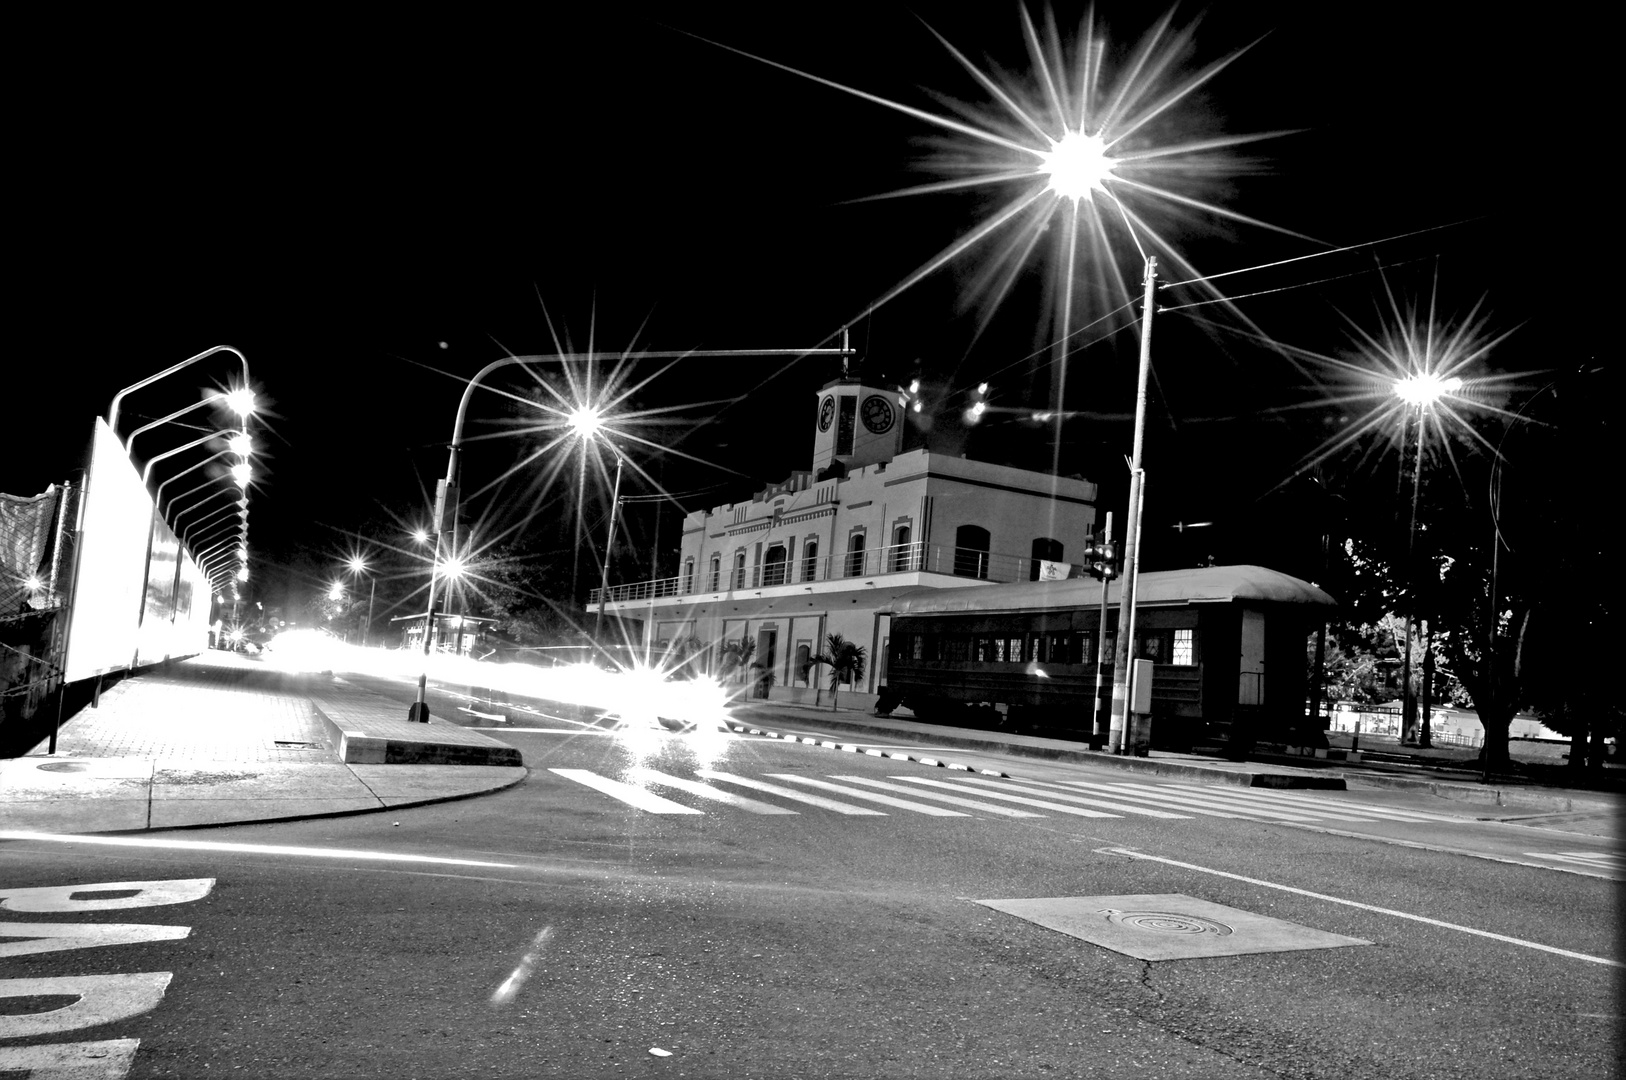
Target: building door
point(767, 657)
point(1251, 661)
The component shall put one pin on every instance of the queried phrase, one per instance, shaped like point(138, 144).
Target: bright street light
point(240, 444)
point(1425, 388)
point(242, 472)
point(1077, 165)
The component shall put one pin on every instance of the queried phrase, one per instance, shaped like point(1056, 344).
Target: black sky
point(339, 196)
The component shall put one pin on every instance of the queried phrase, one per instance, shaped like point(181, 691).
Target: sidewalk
point(1447, 780)
point(220, 739)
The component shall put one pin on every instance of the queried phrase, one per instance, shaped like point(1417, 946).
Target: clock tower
point(856, 425)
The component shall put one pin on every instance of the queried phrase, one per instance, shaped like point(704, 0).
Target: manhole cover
point(64, 766)
point(1168, 926)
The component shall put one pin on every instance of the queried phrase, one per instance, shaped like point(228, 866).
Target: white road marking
point(101, 1059)
point(788, 793)
point(705, 791)
point(1323, 804)
point(1055, 807)
point(60, 898)
point(101, 999)
point(243, 849)
point(637, 797)
point(884, 800)
point(1125, 808)
point(954, 800)
point(1214, 802)
point(1132, 854)
point(58, 937)
point(1203, 809)
point(1593, 860)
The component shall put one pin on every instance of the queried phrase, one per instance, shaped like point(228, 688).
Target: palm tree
point(844, 658)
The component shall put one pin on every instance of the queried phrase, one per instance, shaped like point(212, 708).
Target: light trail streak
point(225, 847)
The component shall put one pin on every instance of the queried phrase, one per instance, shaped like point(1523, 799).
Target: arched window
point(739, 571)
point(773, 565)
point(855, 554)
point(810, 561)
point(903, 555)
point(971, 551)
point(716, 572)
point(1044, 550)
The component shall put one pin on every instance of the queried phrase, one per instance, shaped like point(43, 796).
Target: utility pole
point(1137, 478)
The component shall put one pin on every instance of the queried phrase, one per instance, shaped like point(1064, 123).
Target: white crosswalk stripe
point(627, 793)
point(1265, 802)
point(788, 793)
point(1034, 787)
point(1327, 801)
point(953, 800)
point(1166, 800)
point(884, 800)
point(706, 791)
point(1076, 811)
point(1209, 800)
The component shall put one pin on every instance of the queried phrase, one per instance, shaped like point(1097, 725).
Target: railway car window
point(1185, 648)
point(999, 651)
point(1013, 650)
point(917, 646)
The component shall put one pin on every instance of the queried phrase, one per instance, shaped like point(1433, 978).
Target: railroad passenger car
point(1227, 642)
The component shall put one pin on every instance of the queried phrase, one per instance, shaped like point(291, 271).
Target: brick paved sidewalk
point(217, 706)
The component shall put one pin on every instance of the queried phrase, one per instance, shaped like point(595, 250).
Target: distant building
point(825, 550)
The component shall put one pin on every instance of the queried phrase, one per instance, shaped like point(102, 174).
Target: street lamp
point(445, 519)
point(1420, 391)
point(358, 565)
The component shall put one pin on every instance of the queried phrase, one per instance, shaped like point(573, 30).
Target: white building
point(824, 551)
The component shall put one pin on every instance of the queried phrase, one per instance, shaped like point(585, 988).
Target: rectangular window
point(1013, 650)
point(918, 644)
point(1185, 648)
point(999, 650)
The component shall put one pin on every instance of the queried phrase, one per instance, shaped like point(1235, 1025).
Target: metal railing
point(892, 559)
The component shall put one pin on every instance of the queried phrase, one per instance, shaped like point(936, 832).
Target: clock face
point(827, 413)
point(878, 415)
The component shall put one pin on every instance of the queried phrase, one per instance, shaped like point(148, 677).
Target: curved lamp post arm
point(185, 510)
point(177, 414)
point(159, 497)
point(118, 398)
point(146, 473)
point(213, 516)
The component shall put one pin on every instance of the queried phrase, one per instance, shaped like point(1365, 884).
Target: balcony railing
point(895, 559)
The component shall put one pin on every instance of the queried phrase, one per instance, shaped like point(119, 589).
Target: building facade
point(825, 550)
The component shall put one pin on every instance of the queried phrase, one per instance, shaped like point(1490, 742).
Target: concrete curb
point(392, 742)
point(1489, 796)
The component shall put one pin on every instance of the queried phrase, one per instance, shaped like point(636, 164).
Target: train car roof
point(1165, 588)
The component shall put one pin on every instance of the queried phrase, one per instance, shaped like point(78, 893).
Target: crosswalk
point(967, 795)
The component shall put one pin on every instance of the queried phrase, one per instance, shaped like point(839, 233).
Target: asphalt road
point(567, 932)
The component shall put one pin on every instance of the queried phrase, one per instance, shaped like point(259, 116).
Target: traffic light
point(1100, 558)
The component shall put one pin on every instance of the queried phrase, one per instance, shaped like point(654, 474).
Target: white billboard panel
point(107, 600)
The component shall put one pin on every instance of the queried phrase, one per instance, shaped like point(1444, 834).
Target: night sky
point(373, 209)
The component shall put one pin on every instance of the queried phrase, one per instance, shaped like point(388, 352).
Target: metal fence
point(893, 559)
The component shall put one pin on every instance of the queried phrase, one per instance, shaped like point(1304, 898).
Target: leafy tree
point(844, 658)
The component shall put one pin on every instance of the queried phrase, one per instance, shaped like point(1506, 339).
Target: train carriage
point(1227, 644)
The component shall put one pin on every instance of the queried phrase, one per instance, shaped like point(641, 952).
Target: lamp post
point(609, 545)
point(445, 519)
point(358, 565)
point(1419, 391)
